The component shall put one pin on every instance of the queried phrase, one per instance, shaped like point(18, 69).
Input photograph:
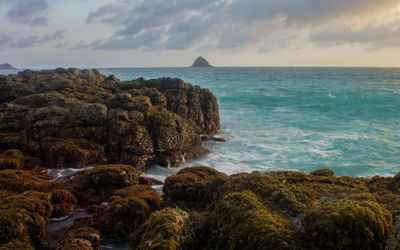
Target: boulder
point(357, 222)
point(128, 209)
point(243, 222)
point(24, 218)
point(201, 185)
point(168, 228)
point(81, 238)
point(97, 184)
point(11, 159)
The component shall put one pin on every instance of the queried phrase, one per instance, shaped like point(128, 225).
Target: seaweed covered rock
point(76, 118)
point(168, 228)
point(11, 159)
point(294, 192)
point(97, 184)
point(323, 172)
point(81, 238)
point(24, 218)
point(128, 209)
point(196, 184)
point(63, 201)
point(19, 181)
point(17, 245)
point(243, 222)
point(357, 222)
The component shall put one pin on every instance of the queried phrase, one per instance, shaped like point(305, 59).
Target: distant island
point(201, 62)
point(7, 66)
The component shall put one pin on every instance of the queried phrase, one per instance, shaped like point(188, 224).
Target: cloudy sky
point(134, 33)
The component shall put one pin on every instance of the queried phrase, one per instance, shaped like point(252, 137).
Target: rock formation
point(6, 66)
point(201, 62)
point(73, 118)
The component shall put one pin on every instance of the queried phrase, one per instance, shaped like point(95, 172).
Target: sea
point(297, 119)
point(301, 119)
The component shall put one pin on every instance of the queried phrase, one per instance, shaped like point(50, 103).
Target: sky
point(172, 33)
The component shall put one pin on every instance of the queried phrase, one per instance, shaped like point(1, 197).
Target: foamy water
point(345, 119)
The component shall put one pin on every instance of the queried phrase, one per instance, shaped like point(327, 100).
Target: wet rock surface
point(74, 118)
point(287, 209)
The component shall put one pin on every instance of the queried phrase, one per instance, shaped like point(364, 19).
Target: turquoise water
point(345, 119)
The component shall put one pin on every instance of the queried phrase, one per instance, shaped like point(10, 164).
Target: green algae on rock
point(243, 222)
point(354, 223)
point(168, 228)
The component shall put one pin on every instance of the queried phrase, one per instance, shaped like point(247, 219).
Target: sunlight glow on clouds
point(218, 27)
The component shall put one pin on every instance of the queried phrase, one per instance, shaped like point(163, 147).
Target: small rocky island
point(6, 66)
point(201, 62)
point(62, 118)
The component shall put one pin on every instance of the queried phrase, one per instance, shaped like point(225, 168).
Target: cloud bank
point(31, 12)
point(238, 24)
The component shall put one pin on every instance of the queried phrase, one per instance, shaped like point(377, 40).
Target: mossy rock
point(25, 218)
point(76, 244)
point(17, 245)
point(278, 190)
point(59, 153)
point(98, 184)
point(23, 180)
point(129, 208)
point(357, 222)
point(168, 229)
point(243, 222)
point(198, 184)
point(78, 238)
point(323, 172)
point(64, 202)
point(11, 159)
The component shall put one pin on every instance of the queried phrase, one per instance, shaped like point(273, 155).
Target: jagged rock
point(168, 228)
point(74, 118)
point(201, 62)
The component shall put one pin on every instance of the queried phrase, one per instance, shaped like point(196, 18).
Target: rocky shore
point(71, 118)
